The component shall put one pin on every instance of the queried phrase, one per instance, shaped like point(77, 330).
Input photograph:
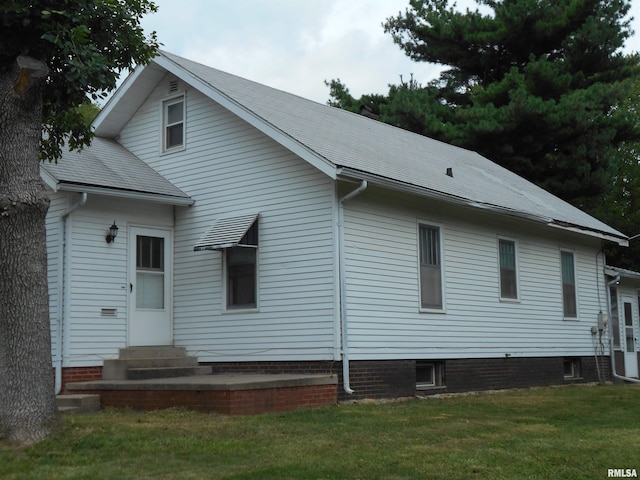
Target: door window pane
point(149, 272)
point(150, 290)
point(150, 253)
point(628, 328)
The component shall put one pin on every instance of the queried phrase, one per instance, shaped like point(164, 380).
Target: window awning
point(226, 232)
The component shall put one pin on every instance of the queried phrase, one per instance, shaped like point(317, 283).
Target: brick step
point(78, 403)
point(146, 373)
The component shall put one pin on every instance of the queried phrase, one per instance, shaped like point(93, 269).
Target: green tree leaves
point(86, 44)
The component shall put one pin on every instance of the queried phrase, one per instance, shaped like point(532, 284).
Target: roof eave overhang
point(126, 100)
point(127, 194)
point(621, 241)
point(348, 173)
point(621, 272)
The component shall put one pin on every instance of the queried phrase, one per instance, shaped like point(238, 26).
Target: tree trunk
point(27, 399)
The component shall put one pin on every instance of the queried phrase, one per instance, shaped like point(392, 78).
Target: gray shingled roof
point(361, 144)
point(107, 164)
point(342, 143)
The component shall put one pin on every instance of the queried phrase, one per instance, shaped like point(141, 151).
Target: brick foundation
point(79, 374)
point(305, 368)
point(397, 378)
point(499, 373)
point(230, 402)
point(368, 379)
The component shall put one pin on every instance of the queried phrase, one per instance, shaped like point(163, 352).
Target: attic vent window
point(173, 86)
point(450, 172)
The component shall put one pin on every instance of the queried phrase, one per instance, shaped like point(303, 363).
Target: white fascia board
point(436, 195)
point(128, 194)
point(49, 180)
point(621, 241)
point(126, 100)
point(445, 197)
point(622, 272)
point(304, 152)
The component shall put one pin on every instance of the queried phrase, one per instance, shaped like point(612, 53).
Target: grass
point(575, 432)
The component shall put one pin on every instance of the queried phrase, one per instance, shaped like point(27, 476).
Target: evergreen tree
point(534, 85)
point(620, 203)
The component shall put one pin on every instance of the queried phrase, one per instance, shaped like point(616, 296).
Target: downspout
point(611, 346)
point(343, 286)
point(62, 267)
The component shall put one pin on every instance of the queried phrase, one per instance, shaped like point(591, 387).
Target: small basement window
point(571, 368)
point(429, 374)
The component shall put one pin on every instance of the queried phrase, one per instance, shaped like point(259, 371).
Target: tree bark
point(28, 410)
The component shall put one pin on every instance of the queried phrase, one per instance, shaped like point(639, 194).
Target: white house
point(624, 307)
point(265, 232)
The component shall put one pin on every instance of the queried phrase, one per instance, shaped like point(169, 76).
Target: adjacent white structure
point(261, 231)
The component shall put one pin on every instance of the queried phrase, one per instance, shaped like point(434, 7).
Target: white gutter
point(457, 200)
point(343, 287)
point(63, 292)
point(611, 346)
point(128, 194)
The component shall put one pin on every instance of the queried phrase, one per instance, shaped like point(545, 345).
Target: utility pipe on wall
point(343, 287)
point(62, 267)
point(615, 281)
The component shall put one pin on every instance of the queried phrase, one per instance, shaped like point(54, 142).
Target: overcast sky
point(295, 45)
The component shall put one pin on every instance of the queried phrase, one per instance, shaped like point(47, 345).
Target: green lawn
point(573, 432)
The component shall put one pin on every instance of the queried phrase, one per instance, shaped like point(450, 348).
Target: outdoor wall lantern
point(113, 232)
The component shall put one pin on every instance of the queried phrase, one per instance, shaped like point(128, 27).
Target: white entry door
point(630, 343)
point(150, 287)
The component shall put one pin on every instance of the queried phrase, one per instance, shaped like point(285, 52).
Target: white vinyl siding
point(96, 287)
point(383, 286)
point(59, 203)
point(230, 168)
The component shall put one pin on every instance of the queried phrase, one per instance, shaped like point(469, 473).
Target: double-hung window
point(508, 269)
point(173, 119)
point(241, 271)
point(430, 258)
point(569, 297)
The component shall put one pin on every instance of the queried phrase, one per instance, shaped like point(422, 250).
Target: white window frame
point(516, 260)
point(226, 308)
point(426, 223)
point(437, 375)
point(166, 103)
point(575, 284)
point(575, 368)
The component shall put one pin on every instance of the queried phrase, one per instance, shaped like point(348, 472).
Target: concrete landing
point(231, 381)
point(235, 393)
